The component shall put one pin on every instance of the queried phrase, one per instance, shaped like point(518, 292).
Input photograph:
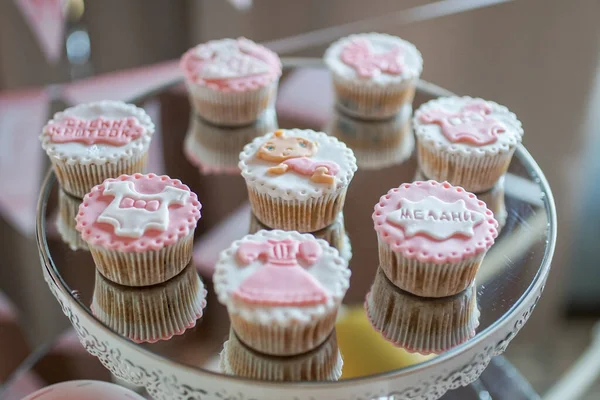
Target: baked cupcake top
point(374, 57)
point(467, 125)
point(280, 277)
point(84, 389)
point(297, 164)
point(434, 222)
point(231, 65)
point(137, 213)
point(97, 133)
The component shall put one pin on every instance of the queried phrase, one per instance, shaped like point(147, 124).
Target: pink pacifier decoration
point(281, 280)
point(360, 55)
point(473, 124)
point(116, 132)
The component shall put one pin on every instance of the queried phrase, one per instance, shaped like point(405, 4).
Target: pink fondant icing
point(472, 124)
point(116, 132)
point(424, 247)
point(281, 281)
point(359, 55)
point(308, 166)
point(182, 218)
point(84, 389)
point(243, 76)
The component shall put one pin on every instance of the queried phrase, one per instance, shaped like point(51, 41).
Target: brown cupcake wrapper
point(294, 338)
point(143, 268)
point(231, 108)
point(308, 215)
point(78, 179)
point(372, 101)
point(322, 364)
point(428, 279)
point(68, 207)
point(474, 174)
point(150, 314)
point(421, 325)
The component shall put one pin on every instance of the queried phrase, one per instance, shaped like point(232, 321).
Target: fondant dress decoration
point(281, 280)
point(472, 124)
point(294, 153)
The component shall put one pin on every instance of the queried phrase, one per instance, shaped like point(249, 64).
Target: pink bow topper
point(359, 55)
point(129, 202)
point(116, 132)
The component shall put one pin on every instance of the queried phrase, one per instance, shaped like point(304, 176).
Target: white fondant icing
point(82, 153)
point(412, 60)
point(330, 270)
point(432, 133)
point(132, 221)
point(228, 60)
point(435, 218)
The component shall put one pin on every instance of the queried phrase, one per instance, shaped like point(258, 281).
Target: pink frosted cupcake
point(231, 81)
point(91, 142)
point(374, 74)
point(139, 228)
point(79, 390)
point(282, 290)
point(432, 237)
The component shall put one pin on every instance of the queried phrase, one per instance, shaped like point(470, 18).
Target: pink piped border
point(182, 219)
point(423, 248)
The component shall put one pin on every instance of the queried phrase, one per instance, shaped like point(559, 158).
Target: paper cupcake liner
point(322, 364)
point(216, 149)
point(78, 179)
point(421, 325)
point(231, 108)
point(144, 268)
point(428, 279)
point(474, 174)
point(371, 101)
point(294, 338)
point(68, 207)
point(308, 215)
point(150, 314)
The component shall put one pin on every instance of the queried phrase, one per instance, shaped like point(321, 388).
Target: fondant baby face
point(280, 148)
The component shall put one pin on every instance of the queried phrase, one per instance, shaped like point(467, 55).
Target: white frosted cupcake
point(297, 179)
point(321, 364)
point(89, 390)
point(231, 81)
point(216, 149)
point(466, 141)
point(282, 290)
point(374, 74)
point(92, 142)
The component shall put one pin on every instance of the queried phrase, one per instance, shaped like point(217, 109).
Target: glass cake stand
point(478, 324)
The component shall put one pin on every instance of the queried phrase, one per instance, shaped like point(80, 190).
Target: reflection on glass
point(376, 144)
point(421, 325)
point(68, 207)
point(150, 314)
point(321, 364)
point(335, 234)
point(216, 149)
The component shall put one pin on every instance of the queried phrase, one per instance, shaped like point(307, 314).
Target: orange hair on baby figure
point(294, 153)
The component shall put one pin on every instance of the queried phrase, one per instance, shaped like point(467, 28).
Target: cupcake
point(297, 179)
point(150, 314)
point(432, 237)
point(91, 142)
point(216, 149)
point(376, 144)
point(231, 81)
point(139, 228)
point(374, 74)
point(465, 141)
point(68, 207)
point(421, 325)
point(321, 364)
point(84, 389)
point(282, 290)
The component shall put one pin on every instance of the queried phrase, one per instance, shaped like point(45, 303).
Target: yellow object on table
point(364, 350)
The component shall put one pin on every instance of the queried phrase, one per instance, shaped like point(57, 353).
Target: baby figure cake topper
point(294, 153)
